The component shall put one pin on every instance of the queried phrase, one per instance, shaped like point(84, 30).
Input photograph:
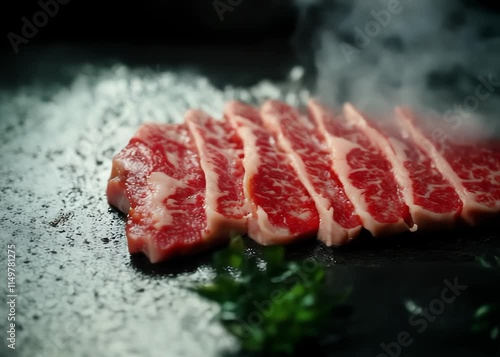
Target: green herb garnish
point(489, 262)
point(486, 320)
point(271, 305)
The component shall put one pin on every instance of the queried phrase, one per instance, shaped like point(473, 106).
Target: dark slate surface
point(81, 294)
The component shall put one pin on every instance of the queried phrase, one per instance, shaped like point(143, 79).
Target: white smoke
point(426, 54)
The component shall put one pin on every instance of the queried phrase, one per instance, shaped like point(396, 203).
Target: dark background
point(187, 22)
point(155, 22)
point(188, 31)
point(81, 292)
point(147, 33)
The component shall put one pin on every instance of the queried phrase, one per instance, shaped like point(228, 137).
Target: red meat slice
point(471, 164)
point(365, 172)
point(312, 160)
point(158, 181)
point(221, 153)
point(281, 208)
point(431, 198)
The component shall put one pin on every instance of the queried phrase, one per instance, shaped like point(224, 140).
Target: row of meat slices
point(279, 175)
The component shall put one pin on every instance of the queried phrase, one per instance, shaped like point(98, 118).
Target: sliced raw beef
point(281, 208)
point(431, 198)
point(312, 160)
point(158, 181)
point(365, 172)
point(221, 154)
point(472, 165)
point(281, 176)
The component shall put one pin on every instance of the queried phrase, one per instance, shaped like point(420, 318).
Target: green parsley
point(489, 262)
point(486, 320)
point(272, 305)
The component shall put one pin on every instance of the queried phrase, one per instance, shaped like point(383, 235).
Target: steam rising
point(425, 53)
